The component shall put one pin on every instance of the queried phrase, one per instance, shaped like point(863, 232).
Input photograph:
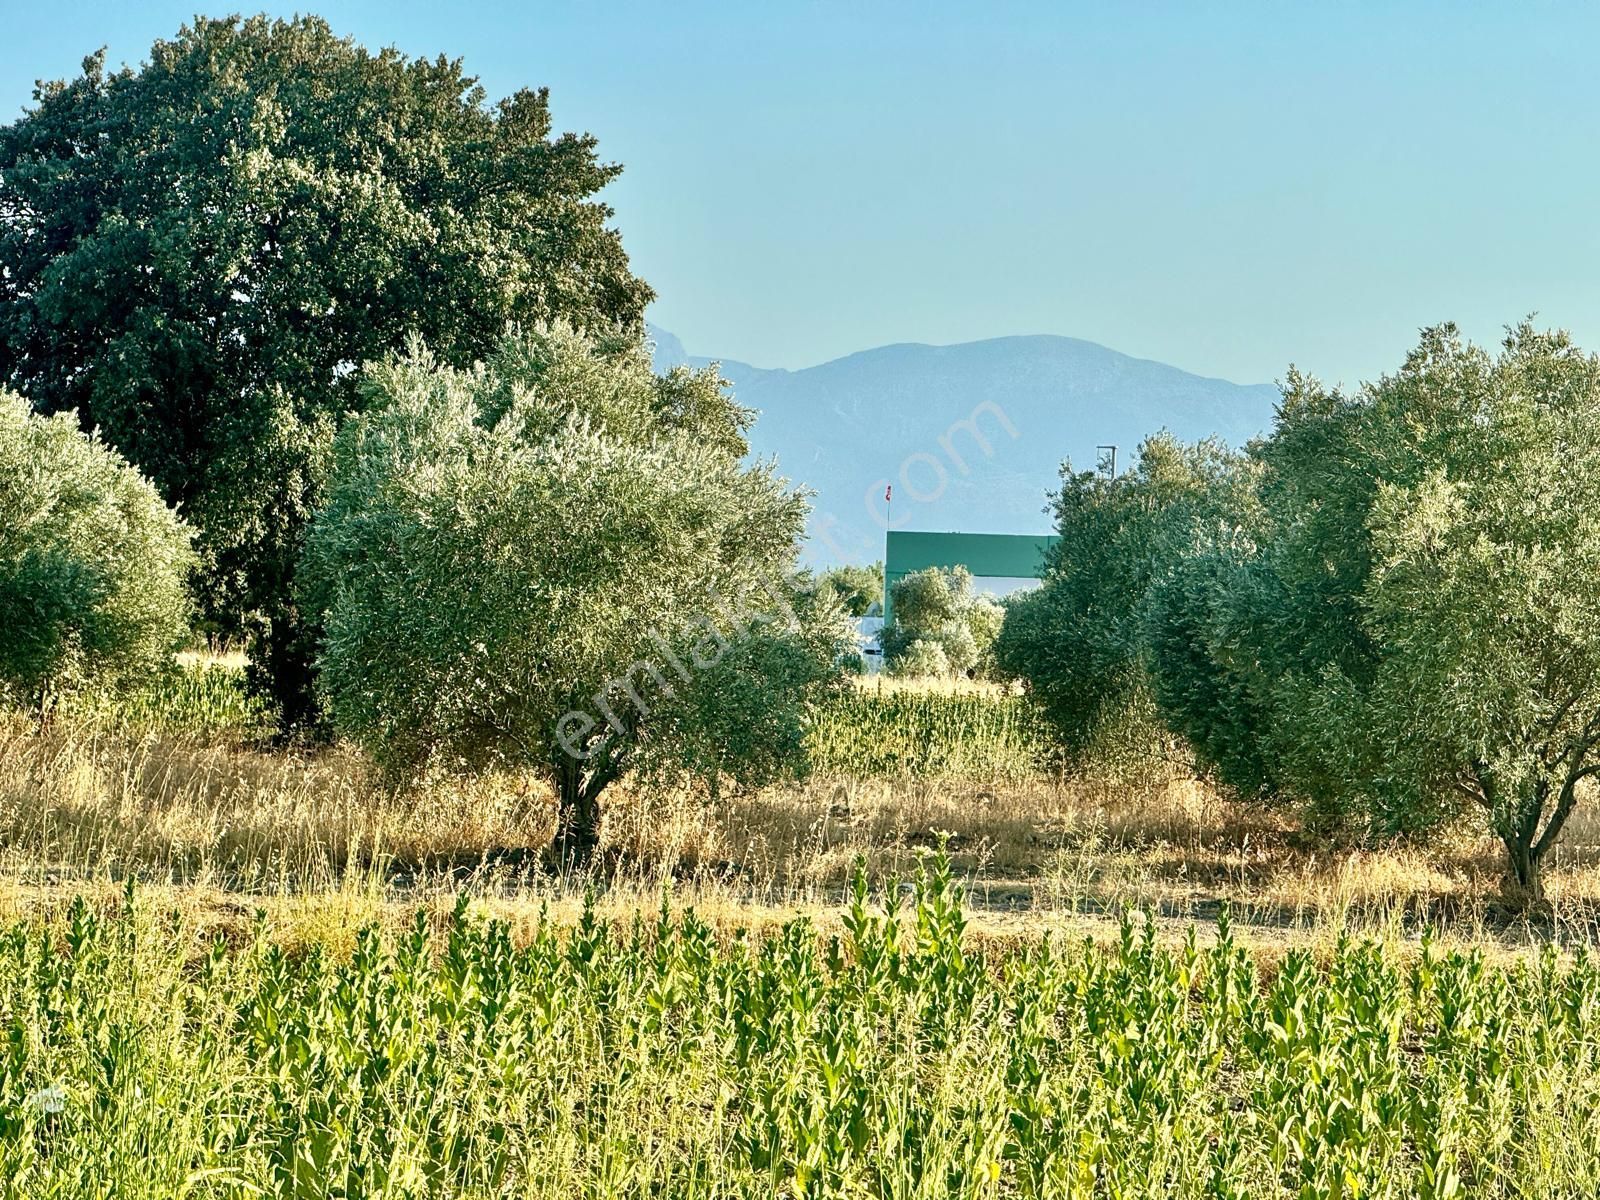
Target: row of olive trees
point(1384, 612)
point(555, 561)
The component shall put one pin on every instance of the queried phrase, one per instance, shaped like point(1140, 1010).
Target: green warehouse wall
point(996, 555)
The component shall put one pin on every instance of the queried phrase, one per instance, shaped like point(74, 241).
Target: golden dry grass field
point(320, 838)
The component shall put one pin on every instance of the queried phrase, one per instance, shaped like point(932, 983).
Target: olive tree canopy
point(941, 626)
point(92, 563)
point(560, 560)
point(1414, 624)
point(1463, 592)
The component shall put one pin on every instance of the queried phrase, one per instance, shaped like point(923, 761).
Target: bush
point(984, 618)
point(936, 606)
point(923, 658)
point(92, 564)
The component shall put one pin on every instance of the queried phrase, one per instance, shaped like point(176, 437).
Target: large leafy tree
point(1078, 642)
point(561, 561)
point(92, 564)
point(198, 255)
point(1438, 642)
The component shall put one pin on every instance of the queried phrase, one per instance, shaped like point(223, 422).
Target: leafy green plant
point(93, 565)
point(856, 588)
point(1417, 629)
point(896, 1059)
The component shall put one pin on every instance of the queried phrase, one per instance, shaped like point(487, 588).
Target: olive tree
point(856, 588)
point(197, 255)
point(1415, 626)
point(1078, 642)
point(1479, 608)
point(560, 560)
point(939, 626)
point(92, 563)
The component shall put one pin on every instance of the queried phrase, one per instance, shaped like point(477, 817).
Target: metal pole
point(888, 526)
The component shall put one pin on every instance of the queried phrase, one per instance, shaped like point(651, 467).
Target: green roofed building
point(991, 557)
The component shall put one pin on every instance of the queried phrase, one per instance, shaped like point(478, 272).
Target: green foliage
point(923, 658)
point(896, 1060)
point(198, 256)
point(92, 564)
point(855, 588)
point(1203, 680)
point(1426, 613)
point(927, 601)
point(940, 628)
point(560, 561)
point(1078, 642)
point(984, 618)
point(746, 715)
point(1390, 612)
point(873, 733)
point(197, 699)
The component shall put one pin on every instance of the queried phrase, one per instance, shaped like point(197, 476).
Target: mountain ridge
point(971, 435)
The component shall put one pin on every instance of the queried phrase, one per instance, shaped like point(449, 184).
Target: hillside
point(895, 414)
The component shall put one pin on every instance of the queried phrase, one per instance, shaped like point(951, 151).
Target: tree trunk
point(46, 711)
point(1525, 875)
point(1525, 849)
point(578, 820)
point(281, 655)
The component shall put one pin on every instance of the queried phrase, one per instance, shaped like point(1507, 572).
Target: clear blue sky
point(1225, 187)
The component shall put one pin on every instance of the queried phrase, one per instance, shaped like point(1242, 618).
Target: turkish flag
point(888, 493)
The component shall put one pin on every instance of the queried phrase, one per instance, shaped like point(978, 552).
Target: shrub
point(923, 658)
point(92, 564)
point(984, 618)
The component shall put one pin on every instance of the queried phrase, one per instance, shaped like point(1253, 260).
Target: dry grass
point(322, 843)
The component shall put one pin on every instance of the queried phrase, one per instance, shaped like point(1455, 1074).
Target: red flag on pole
point(888, 493)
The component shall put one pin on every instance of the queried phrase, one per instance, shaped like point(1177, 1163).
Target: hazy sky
point(1227, 188)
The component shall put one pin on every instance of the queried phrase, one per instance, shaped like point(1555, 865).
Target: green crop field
point(199, 698)
point(898, 1059)
point(868, 732)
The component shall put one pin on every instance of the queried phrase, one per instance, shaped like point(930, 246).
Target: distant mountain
point(971, 437)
